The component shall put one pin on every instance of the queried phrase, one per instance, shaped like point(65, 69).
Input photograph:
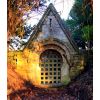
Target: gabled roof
point(52, 9)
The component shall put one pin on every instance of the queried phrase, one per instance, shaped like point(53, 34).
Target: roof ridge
point(60, 22)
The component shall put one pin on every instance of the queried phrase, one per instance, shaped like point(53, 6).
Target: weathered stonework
point(51, 35)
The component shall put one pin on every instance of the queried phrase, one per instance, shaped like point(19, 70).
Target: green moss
point(74, 71)
point(65, 80)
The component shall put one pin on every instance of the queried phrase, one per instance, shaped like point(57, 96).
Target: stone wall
point(49, 34)
point(26, 64)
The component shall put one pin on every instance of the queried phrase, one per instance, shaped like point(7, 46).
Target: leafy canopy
point(80, 22)
point(16, 11)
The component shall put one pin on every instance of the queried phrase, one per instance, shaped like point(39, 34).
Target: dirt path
point(79, 89)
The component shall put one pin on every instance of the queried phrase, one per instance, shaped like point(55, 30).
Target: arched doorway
point(50, 64)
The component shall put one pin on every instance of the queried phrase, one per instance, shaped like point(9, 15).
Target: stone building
point(50, 57)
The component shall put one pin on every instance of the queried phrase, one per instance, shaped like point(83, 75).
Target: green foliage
point(87, 32)
point(80, 22)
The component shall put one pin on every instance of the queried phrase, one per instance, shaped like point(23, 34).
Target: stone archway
point(50, 63)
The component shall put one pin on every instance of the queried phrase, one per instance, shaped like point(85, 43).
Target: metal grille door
point(50, 63)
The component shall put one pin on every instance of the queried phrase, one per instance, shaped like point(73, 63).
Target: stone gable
point(50, 58)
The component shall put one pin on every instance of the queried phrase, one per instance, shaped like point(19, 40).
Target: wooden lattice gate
point(50, 63)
